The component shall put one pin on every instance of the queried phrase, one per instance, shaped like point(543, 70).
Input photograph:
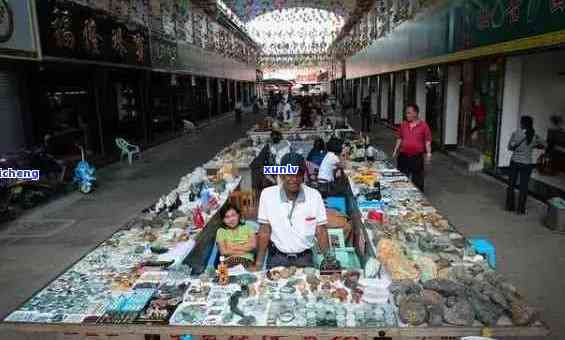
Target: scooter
point(84, 174)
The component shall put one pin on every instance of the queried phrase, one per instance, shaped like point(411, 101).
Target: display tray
point(363, 299)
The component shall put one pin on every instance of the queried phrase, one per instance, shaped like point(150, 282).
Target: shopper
point(238, 111)
point(366, 114)
point(318, 152)
point(236, 239)
point(330, 167)
point(413, 146)
point(288, 115)
point(522, 143)
point(280, 110)
point(256, 107)
point(279, 146)
point(306, 116)
point(292, 216)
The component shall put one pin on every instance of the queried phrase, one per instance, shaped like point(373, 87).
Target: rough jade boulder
point(458, 312)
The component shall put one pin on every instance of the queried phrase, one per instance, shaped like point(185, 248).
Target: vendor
point(292, 215)
point(279, 146)
point(330, 167)
point(331, 162)
point(318, 152)
point(236, 240)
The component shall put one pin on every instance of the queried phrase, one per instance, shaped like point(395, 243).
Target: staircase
point(468, 159)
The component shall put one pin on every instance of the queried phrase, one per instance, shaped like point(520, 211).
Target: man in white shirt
point(292, 216)
point(288, 114)
point(280, 110)
point(279, 146)
point(331, 162)
point(330, 166)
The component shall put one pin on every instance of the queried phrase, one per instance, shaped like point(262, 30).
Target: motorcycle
point(84, 174)
point(17, 194)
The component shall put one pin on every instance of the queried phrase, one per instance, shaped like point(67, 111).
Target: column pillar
point(398, 97)
point(234, 94)
point(172, 106)
point(229, 94)
point(421, 92)
point(513, 74)
point(452, 105)
point(359, 92)
point(374, 95)
point(209, 98)
point(218, 96)
point(385, 89)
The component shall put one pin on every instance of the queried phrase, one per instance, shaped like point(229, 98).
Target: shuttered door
point(11, 124)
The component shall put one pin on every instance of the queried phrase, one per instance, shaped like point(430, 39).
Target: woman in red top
point(480, 114)
point(413, 144)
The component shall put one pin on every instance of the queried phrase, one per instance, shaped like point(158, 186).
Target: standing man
point(413, 146)
point(366, 114)
point(292, 215)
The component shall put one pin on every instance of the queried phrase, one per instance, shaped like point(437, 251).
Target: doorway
point(435, 93)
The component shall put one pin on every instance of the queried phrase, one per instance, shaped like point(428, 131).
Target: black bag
point(513, 148)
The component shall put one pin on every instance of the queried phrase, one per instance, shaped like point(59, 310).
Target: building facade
point(90, 71)
point(474, 67)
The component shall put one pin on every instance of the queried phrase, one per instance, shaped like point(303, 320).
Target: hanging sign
point(70, 30)
point(17, 29)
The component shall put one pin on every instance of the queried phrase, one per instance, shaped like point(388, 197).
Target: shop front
point(434, 98)
point(127, 112)
point(63, 114)
point(201, 104)
point(534, 85)
point(384, 81)
point(110, 99)
point(164, 95)
point(214, 96)
point(482, 89)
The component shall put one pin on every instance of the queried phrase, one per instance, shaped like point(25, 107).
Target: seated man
point(291, 215)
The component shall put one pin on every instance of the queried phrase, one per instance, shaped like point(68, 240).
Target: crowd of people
point(291, 210)
point(302, 111)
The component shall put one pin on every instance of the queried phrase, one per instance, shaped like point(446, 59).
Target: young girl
point(236, 240)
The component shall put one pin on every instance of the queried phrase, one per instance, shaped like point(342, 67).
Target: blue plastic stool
point(484, 247)
point(186, 337)
point(337, 203)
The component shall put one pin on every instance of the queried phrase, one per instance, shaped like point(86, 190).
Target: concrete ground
point(528, 254)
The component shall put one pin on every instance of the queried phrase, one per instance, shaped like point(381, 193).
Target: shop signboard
point(485, 22)
point(196, 60)
point(425, 36)
point(163, 52)
point(455, 26)
point(17, 29)
point(69, 30)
